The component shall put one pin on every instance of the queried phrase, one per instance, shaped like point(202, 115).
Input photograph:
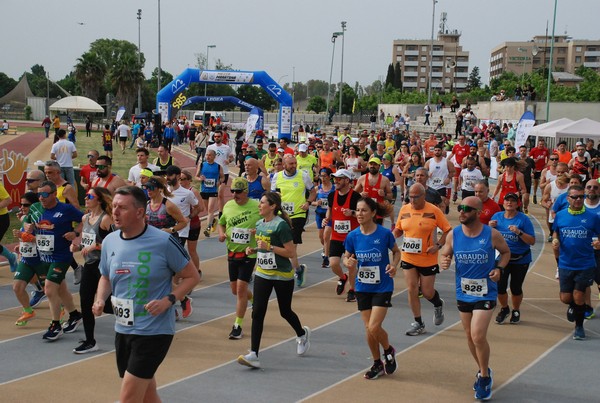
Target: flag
point(353, 105)
point(525, 125)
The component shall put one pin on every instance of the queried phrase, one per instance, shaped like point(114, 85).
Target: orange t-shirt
point(565, 157)
point(419, 227)
point(429, 144)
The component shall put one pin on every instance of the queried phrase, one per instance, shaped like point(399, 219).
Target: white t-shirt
point(122, 130)
point(184, 199)
point(63, 149)
point(222, 155)
point(469, 178)
point(134, 173)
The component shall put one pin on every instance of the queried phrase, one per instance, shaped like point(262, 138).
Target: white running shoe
point(303, 342)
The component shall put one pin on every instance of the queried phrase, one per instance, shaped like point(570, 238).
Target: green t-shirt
point(261, 153)
point(306, 164)
point(238, 221)
point(276, 232)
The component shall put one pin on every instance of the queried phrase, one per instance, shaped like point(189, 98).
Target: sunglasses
point(592, 187)
point(553, 159)
point(31, 180)
point(465, 209)
point(578, 197)
point(101, 167)
point(183, 178)
point(44, 194)
point(90, 196)
point(237, 191)
point(148, 187)
point(25, 204)
point(91, 156)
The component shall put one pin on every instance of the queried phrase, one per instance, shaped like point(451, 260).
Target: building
point(449, 62)
point(526, 57)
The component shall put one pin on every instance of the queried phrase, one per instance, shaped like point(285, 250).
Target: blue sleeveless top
point(211, 174)
point(255, 189)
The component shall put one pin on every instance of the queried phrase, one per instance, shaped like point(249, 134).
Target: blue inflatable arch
point(254, 110)
point(171, 98)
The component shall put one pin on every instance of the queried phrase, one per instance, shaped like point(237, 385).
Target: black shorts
point(537, 174)
point(527, 186)
point(225, 179)
point(578, 280)
point(297, 229)
point(423, 271)
point(194, 234)
point(206, 196)
point(469, 307)
point(466, 193)
point(445, 192)
point(123, 139)
point(141, 355)
point(336, 248)
point(241, 269)
point(108, 147)
point(367, 300)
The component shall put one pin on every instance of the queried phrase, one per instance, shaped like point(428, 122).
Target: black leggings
point(4, 224)
point(90, 276)
point(262, 291)
point(517, 273)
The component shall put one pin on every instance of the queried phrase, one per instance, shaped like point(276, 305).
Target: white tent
point(583, 128)
point(549, 129)
point(76, 104)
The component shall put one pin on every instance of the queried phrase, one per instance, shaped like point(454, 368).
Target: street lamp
point(431, 55)
point(139, 18)
point(342, 68)
point(550, 64)
point(208, 48)
point(333, 37)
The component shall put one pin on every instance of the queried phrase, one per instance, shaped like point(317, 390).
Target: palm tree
point(90, 71)
point(125, 76)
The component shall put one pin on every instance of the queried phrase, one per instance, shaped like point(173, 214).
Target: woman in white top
point(354, 163)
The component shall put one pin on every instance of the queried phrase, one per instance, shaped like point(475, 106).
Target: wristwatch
point(172, 299)
point(173, 230)
point(76, 233)
point(500, 268)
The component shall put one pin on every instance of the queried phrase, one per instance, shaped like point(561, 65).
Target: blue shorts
point(578, 280)
point(319, 219)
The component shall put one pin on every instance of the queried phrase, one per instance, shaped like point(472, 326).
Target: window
point(399, 48)
point(577, 59)
point(411, 58)
point(423, 69)
point(560, 60)
point(423, 58)
point(422, 79)
point(411, 47)
point(577, 48)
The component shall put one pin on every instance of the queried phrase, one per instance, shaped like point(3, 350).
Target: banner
point(250, 125)
point(524, 128)
point(120, 113)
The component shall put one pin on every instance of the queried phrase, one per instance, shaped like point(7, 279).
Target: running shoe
point(534, 199)
point(54, 332)
point(390, 361)
point(556, 275)
point(12, 261)
point(73, 323)
point(438, 314)
point(86, 347)
point(550, 238)
point(300, 275)
point(24, 318)
point(589, 314)
point(376, 370)
point(36, 298)
point(483, 390)
point(455, 197)
point(249, 360)
point(416, 329)
point(515, 317)
point(207, 232)
point(214, 225)
point(77, 274)
point(351, 296)
point(570, 314)
point(236, 333)
point(502, 315)
point(303, 342)
point(579, 333)
point(186, 307)
point(341, 284)
point(325, 263)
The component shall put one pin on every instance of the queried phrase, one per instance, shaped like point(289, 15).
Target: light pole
point(333, 37)
point(342, 68)
point(293, 83)
point(550, 65)
point(431, 55)
point(208, 48)
point(139, 18)
point(158, 74)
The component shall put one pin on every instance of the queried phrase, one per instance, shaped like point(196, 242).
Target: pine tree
point(397, 77)
point(474, 80)
point(389, 79)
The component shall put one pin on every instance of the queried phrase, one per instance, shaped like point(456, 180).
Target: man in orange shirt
point(418, 222)
point(563, 154)
point(429, 145)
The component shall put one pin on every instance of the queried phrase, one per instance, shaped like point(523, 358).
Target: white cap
point(343, 172)
point(303, 148)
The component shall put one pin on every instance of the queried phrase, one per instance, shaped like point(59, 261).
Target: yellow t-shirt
point(3, 195)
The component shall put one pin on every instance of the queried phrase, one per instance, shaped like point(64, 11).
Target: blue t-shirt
point(211, 175)
point(50, 229)
point(514, 241)
point(141, 269)
point(372, 253)
point(475, 259)
point(135, 130)
point(561, 202)
point(575, 234)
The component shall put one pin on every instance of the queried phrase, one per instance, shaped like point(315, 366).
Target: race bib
point(266, 260)
point(88, 239)
point(27, 249)
point(123, 310)
point(45, 243)
point(324, 203)
point(369, 275)
point(210, 183)
point(412, 245)
point(341, 226)
point(474, 287)
point(436, 182)
point(288, 207)
point(240, 235)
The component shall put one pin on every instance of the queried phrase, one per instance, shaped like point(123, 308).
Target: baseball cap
point(579, 143)
point(381, 143)
point(245, 145)
point(280, 150)
point(513, 196)
point(387, 156)
point(343, 173)
point(239, 184)
point(146, 172)
point(375, 160)
point(302, 148)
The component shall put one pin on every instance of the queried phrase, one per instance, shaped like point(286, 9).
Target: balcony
point(437, 64)
point(411, 74)
point(409, 84)
point(411, 53)
point(591, 53)
point(592, 65)
point(411, 63)
point(462, 64)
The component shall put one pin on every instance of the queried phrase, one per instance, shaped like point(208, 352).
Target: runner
point(104, 176)
point(459, 151)
point(223, 156)
point(210, 174)
point(468, 176)
point(275, 248)
point(417, 222)
point(321, 203)
point(258, 184)
point(374, 185)
point(518, 232)
point(367, 252)
point(237, 226)
point(473, 245)
point(489, 205)
point(441, 172)
point(135, 171)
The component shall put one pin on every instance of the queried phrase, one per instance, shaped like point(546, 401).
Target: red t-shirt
point(540, 157)
point(88, 173)
point(490, 207)
point(460, 152)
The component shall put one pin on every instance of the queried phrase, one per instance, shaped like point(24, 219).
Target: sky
point(290, 40)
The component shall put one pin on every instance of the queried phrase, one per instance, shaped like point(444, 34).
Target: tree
point(389, 79)
point(474, 80)
point(347, 100)
point(6, 84)
point(317, 104)
point(256, 96)
point(89, 72)
point(397, 77)
point(125, 76)
point(317, 87)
